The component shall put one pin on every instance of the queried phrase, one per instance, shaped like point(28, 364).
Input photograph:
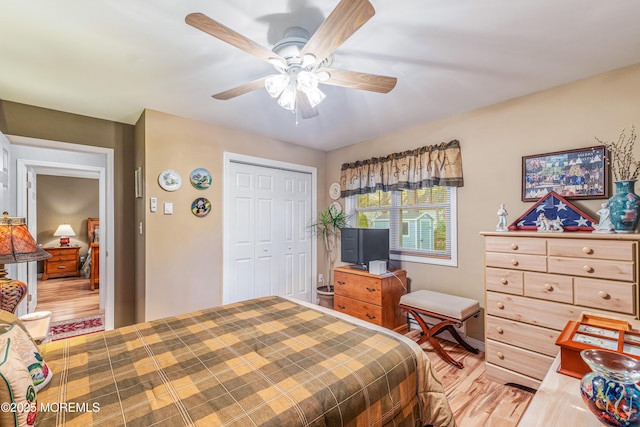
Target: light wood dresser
point(536, 282)
point(64, 262)
point(371, 297)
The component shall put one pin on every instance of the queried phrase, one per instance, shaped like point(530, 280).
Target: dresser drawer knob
point(340, 282)
point(588, 268)
point(371, 289)
point(500, 306)
point(504, 281)
point(548, 287)
point(341, 307)
point(604, 295)
point(514, 262)
point(500, 330)
point(370, 316)
point(514, 246)
point(587, 250)
point(500, 355)
point(62, 267)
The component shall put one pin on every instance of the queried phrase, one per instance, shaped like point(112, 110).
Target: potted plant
point(327, 225)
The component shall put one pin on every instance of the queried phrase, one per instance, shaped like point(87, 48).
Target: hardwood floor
point(68, 298)
point(475, 400)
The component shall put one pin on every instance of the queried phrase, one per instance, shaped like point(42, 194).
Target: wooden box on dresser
point(536, 282)
point(371, 297)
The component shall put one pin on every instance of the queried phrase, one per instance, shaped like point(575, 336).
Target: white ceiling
point(112, 58)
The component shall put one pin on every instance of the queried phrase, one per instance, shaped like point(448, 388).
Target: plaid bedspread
point(263, 362)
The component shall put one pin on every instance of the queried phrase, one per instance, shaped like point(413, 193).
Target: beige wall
point(68, 200)
point(183, 253)
point(493, 141)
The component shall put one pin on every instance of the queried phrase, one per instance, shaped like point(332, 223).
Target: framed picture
point(573, 174)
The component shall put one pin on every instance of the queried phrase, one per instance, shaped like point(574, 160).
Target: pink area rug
point(75, 327)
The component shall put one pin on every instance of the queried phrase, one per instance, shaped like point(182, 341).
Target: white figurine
point(605, 225)
point(546, 224)
point(502, 219)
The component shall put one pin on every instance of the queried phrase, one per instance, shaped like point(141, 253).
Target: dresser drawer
point(501, 280)
point(602, 269)
point(358, 287)
point(548, 314)
point(552, 287)
point(516, 261)
point(514, 244)
point(534, 338)
point(606, 295)
point(601, 249)
point(362, 310)
point(517, 359)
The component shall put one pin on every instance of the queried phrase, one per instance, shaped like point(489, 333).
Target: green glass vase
point(624, 207)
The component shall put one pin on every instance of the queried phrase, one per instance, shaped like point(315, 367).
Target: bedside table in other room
point(64, 262)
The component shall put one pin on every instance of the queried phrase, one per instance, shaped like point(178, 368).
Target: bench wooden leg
point(428, 334)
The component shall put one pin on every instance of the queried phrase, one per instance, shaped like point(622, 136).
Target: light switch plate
point(168, 208)
point(153, 204)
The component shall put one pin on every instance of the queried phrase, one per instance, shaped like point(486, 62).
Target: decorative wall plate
point(169, 180)
point(334, 191)
point(200, 178)
point(335, 208)
point(201, 207)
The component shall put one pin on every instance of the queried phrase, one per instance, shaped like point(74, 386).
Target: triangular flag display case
point(554, 206)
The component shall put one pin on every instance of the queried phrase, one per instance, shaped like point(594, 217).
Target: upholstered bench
point(450, 310)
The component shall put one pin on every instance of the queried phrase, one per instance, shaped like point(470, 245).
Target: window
point(421, 223)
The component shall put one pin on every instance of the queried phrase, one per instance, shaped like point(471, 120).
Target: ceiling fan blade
point(362, 81)
point(241, 90)
point(346, 19)
point(227, 35)
point(304, 107)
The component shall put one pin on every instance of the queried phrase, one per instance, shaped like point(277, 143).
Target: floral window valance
point(423, 167)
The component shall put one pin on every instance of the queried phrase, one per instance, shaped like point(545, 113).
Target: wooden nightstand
point(64, 262)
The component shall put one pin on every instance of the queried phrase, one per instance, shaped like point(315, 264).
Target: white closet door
point(268, 249)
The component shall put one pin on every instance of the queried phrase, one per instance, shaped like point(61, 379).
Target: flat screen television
point(359, 246)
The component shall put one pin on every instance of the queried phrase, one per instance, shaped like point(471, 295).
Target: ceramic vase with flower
point(611, 391)
point(624, 207)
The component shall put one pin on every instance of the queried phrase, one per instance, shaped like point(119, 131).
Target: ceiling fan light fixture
point(315, 96)
point(307, 81)
point(276, 83)
point(288, 98)
point(308, 60)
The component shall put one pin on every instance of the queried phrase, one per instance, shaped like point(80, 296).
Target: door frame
point(228, 158)
point(105, 176)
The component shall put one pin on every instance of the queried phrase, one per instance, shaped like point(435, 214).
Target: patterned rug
point(75, 327)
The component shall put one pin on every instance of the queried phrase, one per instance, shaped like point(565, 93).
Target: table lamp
point(16, 246)
point(64, 231)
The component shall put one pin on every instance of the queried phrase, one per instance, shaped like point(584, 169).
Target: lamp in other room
point(16, 246)
point(64, 231)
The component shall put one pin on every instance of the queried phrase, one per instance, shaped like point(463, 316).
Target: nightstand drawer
point(501, 280)
point(61, 266)
point(362, 310)
point(358, 287)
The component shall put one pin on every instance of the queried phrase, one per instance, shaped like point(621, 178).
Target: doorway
point(34, 156)
point(268, 248)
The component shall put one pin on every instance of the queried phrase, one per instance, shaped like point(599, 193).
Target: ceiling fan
point(302, 62)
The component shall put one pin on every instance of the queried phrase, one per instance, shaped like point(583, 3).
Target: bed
point(91, 266)
point(270, 361)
